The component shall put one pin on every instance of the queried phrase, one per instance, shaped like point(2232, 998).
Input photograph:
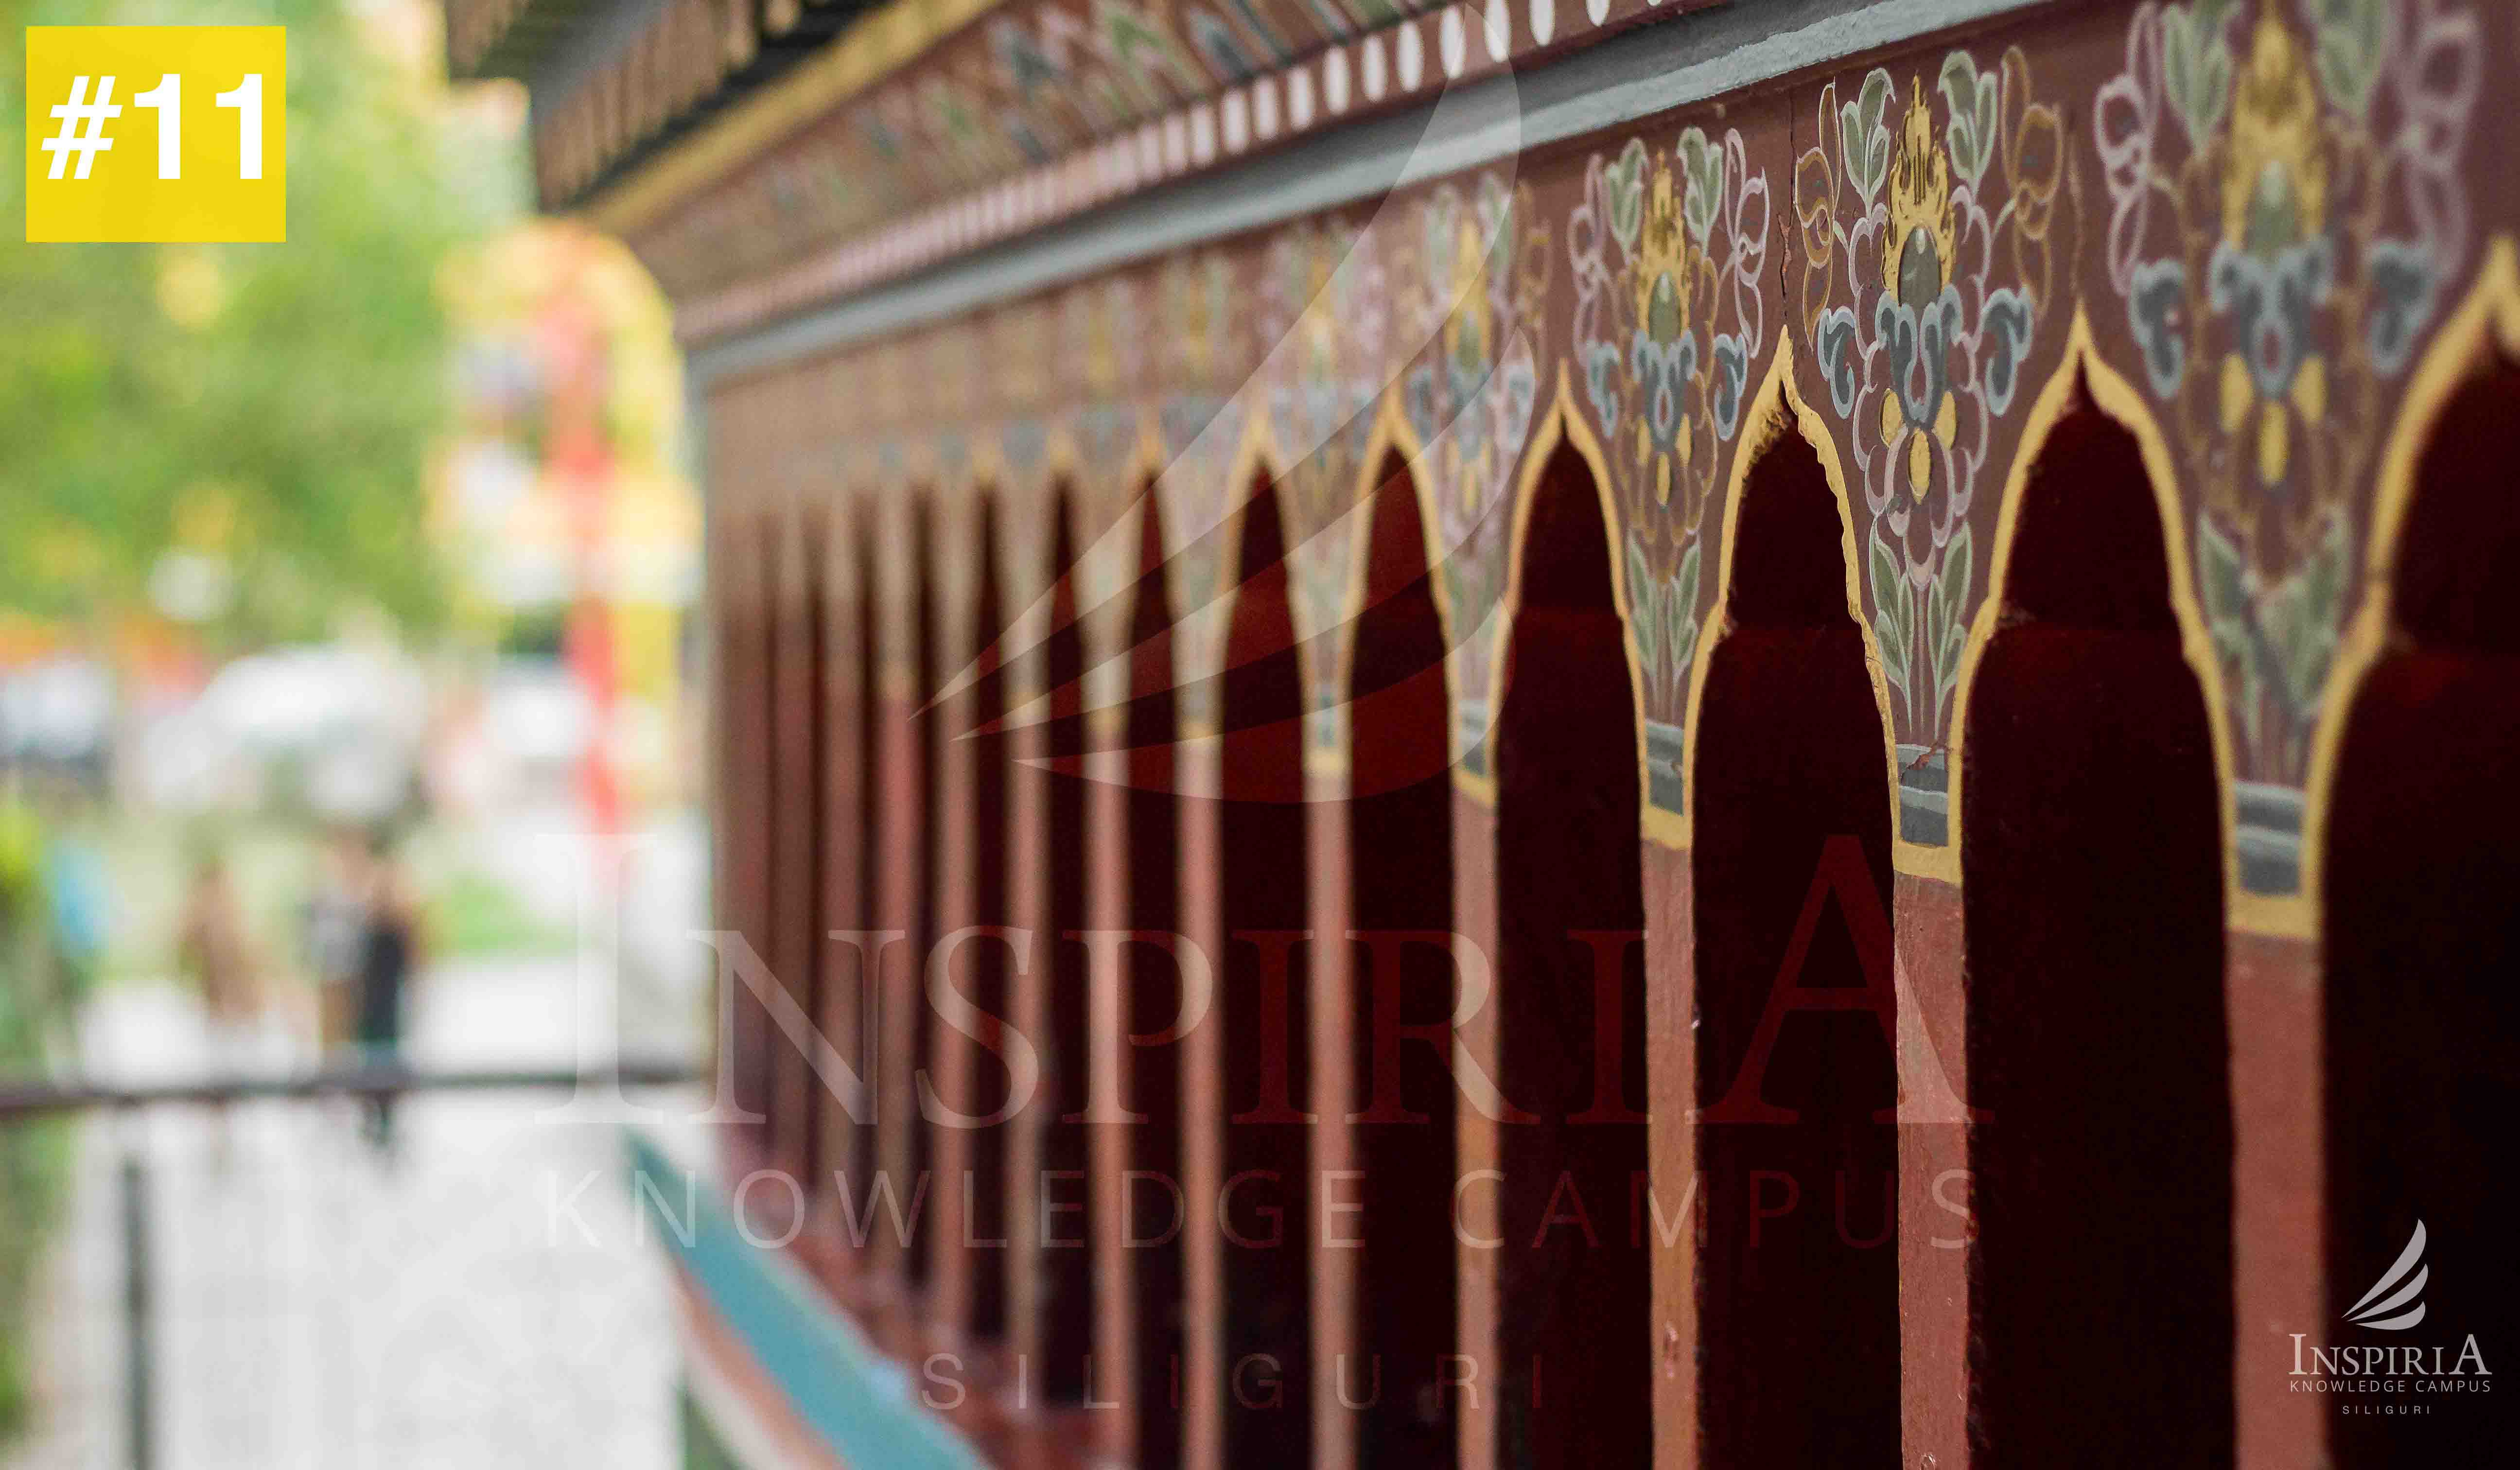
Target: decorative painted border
point(1410, 57)
point(1551, 306)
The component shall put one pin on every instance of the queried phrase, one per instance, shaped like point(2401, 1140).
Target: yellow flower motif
point(2274, 184)
point(1915, 267)
point(2307, 397)
point(1920, 453)
point(1924, 230)
point(1661, 262)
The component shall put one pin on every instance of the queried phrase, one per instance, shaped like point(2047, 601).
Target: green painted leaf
point(1971, 100)
point(1644, 615)
point(2218, 573)
point(1702, 168)
point(2353, 43)
point(1937, 623)
point(1888, 583)
point(1861, 139)
point(1627, 180)
point(1683, 611)
point(2196, 67)
point(2303, 619)
point(1959, 575)
point(1893, 650)
point(1684, 652)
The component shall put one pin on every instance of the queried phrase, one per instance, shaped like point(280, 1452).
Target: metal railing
point(251, 1221)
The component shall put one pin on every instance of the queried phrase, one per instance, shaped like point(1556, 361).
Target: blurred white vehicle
point(333, 729)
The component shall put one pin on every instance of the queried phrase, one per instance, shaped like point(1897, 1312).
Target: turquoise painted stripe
point(846, 1392)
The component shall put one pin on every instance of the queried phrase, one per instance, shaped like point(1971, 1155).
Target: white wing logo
point(2381, 1307)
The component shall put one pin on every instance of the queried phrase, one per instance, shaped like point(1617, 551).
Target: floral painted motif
point(1482, 273)
point(2286, 213)
point(1326, 300)
point(1101, 329)
point(1668, 248)
point(1926, 272)
point(1200, 441)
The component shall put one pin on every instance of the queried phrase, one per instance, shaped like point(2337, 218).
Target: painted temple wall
point(2267, 241)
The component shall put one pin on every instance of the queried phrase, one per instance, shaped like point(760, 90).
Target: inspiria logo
point(2395, 1377)
point(2377, 1314)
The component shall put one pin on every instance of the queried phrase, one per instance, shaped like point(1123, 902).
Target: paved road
point(467, 1304)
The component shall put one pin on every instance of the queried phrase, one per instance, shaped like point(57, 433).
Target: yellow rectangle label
point(157, 133)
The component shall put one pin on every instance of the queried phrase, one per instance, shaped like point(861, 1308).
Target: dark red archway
point(1798, 1281)
point(2092, 883)
point(2422, 929)
point(1575, 1285)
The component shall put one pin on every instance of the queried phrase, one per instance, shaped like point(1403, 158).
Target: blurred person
point(78, 898)
point(214, 949)
point(389, 953)
point(337, 925)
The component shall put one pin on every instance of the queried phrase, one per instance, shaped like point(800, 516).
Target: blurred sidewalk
point(477, 1302)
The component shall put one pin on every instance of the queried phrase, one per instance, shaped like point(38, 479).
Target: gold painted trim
point(2486, 322)
point(871, 52)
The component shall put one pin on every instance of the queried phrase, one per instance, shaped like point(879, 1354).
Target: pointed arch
point(1262, 877)
point(2095, 764)
point(1776, 411)
point(1065, 1266)
point(1573, 1281)
point(2487, 321)
point(1138, 1023)
point(2418, 801)
point(1564, 430)
point(2083, 373)
point(1395, 1102)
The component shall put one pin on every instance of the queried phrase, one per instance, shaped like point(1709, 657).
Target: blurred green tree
point(240, 433)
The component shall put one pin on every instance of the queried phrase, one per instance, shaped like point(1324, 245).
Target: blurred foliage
point(267, 407)
point(473, 916)
point(35, 1156)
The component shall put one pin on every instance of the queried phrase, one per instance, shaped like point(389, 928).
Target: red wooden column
point(1053, 1209)
point(1926, 925)
point(1674, 1206)
point(1027, 856)
point(744, 800)
point(1330, 1234)
point(947, 1067)
point(2278, 1175)
point(904, 815)
point(789, 947)
point(1132, 830)
point(1196, 767)
point(845, 769)
point(1477, 1216)
point(1111, 1382)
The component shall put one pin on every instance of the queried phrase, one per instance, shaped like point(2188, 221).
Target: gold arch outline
point(2082, 369)
point(1387, 436)
point(1563, 425)
point(2487, 321)
point(1777, 410)
point(1254, 449)
point(1109, 512)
